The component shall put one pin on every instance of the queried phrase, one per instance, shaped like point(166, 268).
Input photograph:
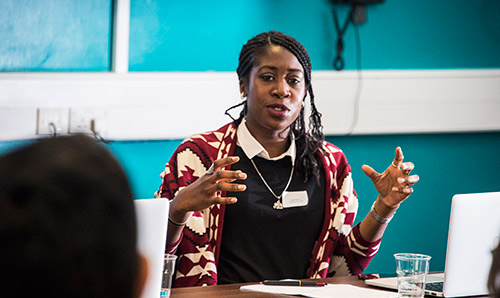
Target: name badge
point(295, 199)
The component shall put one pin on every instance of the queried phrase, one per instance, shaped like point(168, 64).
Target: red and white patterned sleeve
point(352, 253)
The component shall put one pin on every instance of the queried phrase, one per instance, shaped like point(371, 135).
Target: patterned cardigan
point(340, 250)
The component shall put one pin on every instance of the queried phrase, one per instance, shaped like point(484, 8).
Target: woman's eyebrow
point(276, 68)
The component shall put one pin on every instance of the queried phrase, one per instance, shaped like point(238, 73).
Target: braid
point(307, 142)
point(242, 113)
point(315, 118)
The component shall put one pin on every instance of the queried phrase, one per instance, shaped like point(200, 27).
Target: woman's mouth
point(278, 110)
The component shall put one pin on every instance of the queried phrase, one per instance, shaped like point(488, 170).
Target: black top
point(259, 242)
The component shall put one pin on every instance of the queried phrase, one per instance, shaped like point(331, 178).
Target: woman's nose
point(281, 89)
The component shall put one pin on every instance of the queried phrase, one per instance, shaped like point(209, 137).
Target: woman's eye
point(294, 81)
point(267, 78)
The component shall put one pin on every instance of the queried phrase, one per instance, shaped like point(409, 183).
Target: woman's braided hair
point(307, 142)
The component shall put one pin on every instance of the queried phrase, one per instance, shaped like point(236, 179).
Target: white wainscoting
point(174, 105)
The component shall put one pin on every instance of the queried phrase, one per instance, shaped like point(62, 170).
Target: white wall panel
point(169, 105)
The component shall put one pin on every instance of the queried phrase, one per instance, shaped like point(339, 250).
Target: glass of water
point(412, 270)
point(168, 272)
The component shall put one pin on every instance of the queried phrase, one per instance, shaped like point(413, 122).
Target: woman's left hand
point(394, 184)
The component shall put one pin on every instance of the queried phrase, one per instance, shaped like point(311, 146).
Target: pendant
point(277, 205)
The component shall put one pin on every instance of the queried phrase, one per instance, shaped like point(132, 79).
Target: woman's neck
point(275, 143)
point(276, 148)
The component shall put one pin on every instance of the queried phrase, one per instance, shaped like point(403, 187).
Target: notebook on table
point(152, 223)
point(473, 233)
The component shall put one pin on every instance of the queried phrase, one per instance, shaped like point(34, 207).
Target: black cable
point(53, 129)
point(359, 88)
point(338, 62)
point(97, 135)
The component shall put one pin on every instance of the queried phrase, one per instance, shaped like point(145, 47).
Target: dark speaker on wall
point(358, 8)
point(358, 2)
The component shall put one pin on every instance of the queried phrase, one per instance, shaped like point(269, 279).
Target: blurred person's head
point(67, 222)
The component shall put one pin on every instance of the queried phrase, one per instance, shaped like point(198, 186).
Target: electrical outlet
point(88, 121)
point(52, 121)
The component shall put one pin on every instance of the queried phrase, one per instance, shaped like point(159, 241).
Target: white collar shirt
point(253, 148)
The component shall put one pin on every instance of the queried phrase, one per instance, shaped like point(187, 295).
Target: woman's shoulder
point(333, 155)
point(328, 149)
point(200, 150)
point(213, 136)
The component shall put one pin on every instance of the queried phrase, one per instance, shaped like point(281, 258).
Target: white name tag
point(295, 199)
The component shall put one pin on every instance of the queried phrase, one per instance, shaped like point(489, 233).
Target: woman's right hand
point(205, 191)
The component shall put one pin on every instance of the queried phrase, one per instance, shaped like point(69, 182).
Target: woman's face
point(275, 91)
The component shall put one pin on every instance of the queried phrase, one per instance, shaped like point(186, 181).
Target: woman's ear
point(243, 88)
point(142, 276)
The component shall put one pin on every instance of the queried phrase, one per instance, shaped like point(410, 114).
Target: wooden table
point(233, 290)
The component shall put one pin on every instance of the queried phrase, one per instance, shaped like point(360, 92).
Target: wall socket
point(87, 121)
point(52, 121)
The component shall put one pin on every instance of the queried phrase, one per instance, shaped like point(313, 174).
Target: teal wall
point(399, 34)
point(55, 35)
point(61, 35)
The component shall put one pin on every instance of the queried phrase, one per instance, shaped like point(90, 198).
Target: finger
point(398, 159)
point(409, 180)
point(220, 163)
point(225, 200)
point(407, 166)
point(369, 171)
point(403, 190)
point(229, 176)
point(413, 179)
point(222, 186)
point(227, 180)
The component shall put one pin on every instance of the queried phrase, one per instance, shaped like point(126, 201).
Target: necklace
point(278, 204)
